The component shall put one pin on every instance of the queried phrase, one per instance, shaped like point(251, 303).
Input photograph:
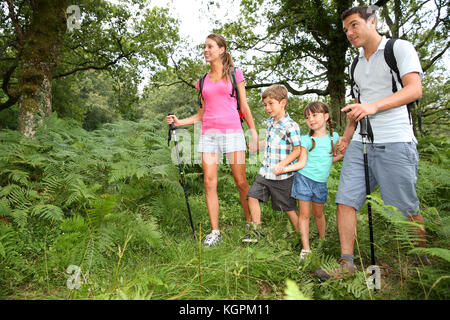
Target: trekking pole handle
point(363, 131)
point(172, 125)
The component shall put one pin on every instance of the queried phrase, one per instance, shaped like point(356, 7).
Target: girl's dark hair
point(320, 107)
point(227, 60)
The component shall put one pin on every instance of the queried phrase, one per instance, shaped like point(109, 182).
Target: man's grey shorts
point(278, 190)
point(221, 143)
point(393, 166)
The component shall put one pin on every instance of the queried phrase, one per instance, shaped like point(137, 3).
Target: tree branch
point(178, 75)
point(15, 22)
point(426, 114)
point(289, 88)
point(432, 61)
point(93, 67)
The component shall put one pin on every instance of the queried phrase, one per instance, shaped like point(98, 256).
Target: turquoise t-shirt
point(320, 159)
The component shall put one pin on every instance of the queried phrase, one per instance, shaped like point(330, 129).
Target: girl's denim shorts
point(303, 188)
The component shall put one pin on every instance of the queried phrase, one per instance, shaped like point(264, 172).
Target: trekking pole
point(366, 132)
point(172, 132)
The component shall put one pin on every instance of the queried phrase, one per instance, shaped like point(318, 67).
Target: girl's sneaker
point(304, 253)
point(212, 239)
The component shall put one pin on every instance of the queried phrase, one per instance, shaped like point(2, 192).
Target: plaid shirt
point(281, 137)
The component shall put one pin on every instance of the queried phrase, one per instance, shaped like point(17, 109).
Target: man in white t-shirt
point(392, 157)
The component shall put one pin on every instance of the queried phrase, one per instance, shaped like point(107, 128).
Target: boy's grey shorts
point(278, 190)
point(221, 143)
point(393, 166)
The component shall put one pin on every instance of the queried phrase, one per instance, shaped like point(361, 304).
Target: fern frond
point(48, 212)
point(16, 175)
point(20, 197)
point(437, 252)
point(20, 216)
point(101, 207)
point(79, 191)
point(4, 207)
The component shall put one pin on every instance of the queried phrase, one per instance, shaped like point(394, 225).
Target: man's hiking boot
point(345, 269)
point(254, 234)
point(212, 239)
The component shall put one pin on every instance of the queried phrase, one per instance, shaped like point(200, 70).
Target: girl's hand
point(342, 144)
point(278, 169)
point(172, 119)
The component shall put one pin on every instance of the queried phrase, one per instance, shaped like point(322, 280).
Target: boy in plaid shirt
point(281, 148)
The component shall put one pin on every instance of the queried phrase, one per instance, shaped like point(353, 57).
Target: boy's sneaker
point(304, 253)
point(212, 239)
point(254, 235)
point(344, 270)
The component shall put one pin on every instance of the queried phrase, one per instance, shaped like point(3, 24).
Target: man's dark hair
point(363, 11)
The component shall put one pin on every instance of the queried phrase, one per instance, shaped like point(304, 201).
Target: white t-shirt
point(374, 82)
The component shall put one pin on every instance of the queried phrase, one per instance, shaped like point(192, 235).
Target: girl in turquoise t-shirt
point(314, 165)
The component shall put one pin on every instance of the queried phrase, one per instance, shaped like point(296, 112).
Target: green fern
point(437, 252)
point(48, 212)
point(101, 208)
point(4, 207)
point(16, 175)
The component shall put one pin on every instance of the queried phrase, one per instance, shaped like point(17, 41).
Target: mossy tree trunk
point(336, 78)
point(41, 47)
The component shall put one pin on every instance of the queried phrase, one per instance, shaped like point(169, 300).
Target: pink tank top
point(221, 114)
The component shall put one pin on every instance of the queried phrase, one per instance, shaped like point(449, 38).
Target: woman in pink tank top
point(221, 129)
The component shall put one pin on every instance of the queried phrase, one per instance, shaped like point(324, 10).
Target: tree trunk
point(336, 82)
point(337, 102)
point(42, 43)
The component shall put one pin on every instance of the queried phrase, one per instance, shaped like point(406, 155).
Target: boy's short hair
point(363, 11)
point(275, 91)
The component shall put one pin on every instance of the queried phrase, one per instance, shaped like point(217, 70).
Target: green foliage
point(8, 118)
point(72, 197)
point(292, 291)
point(435, 150)
point(77, 189)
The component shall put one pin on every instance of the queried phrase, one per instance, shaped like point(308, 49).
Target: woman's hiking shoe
point(345, 269)
point(212, 239)
point(304, 253)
